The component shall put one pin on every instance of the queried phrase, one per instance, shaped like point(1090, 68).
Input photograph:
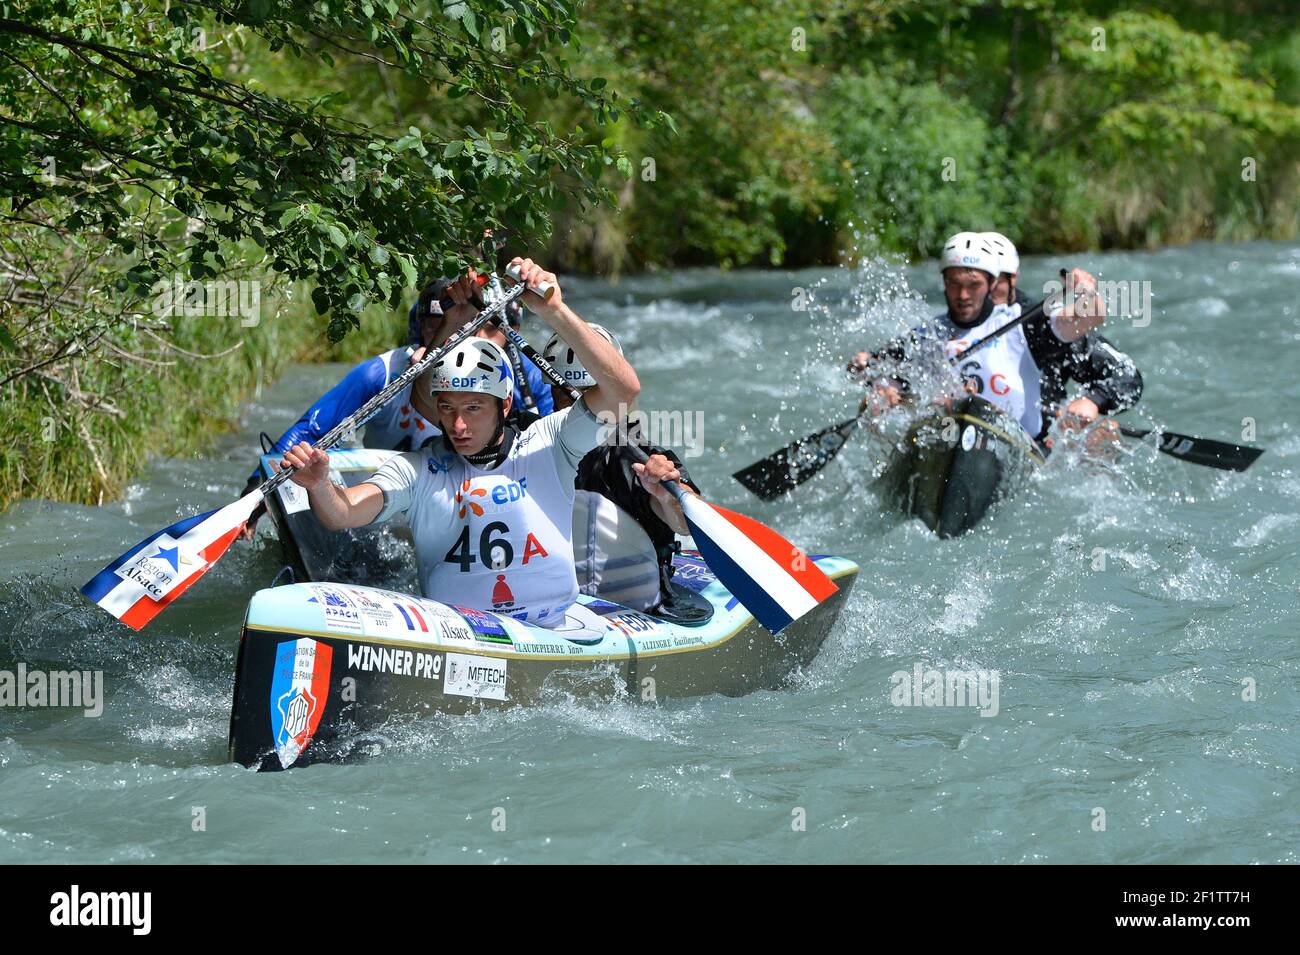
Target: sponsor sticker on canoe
point(299, 689)
point(378, 617)
point(293, 498)
point(486, 627)
point(445, 621)
point(632, 624)
point(395, 660)
point(386, 613)
point(482, 678)
point(341, 613)
point(692, 575)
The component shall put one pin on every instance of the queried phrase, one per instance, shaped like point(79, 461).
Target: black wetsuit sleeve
point(521, 418)
point(1110, 377)
point(608, 471)
point(1044, 346)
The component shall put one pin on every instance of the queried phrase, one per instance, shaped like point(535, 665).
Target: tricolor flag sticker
point(408, 612)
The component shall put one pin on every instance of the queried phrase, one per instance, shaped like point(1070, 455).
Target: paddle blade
point(785, 470)
point(137, 586)
point(1207, 452)
point(774, 580)
point(1203, 451)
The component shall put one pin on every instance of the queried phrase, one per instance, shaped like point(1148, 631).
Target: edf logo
point(510, 492)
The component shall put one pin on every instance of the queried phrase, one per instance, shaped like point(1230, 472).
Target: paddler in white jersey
point(1025, 371)
point(624, 521)
point(490, 508)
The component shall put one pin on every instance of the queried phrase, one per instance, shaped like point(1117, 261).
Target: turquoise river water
point(1143, 621)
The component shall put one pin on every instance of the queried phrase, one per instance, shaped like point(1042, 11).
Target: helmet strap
point(498, 446)
point(985, 310)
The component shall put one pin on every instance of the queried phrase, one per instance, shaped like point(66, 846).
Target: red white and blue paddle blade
point(141, 583)
point(774, 580)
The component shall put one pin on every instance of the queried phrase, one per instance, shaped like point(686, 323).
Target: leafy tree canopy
point(131, 121)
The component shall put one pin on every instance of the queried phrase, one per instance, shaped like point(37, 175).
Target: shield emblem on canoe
point(299, 690)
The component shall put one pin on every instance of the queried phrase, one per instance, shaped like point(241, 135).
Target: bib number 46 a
point(496, 553)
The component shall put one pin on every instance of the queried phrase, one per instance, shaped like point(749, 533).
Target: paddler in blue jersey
point(490, 507)
point(1024, 372)
point(408, 421)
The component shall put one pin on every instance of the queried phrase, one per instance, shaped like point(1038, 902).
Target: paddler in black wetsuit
point(1006, 290)
point(616, 495)
point(1026, 370)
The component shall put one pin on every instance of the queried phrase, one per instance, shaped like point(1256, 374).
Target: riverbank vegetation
point(163, 165)
point(160, 198)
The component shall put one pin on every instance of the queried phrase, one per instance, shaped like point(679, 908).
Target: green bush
point(921, 164)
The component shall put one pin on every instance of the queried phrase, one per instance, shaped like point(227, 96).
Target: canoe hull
point(314, 682)
point(951, 471)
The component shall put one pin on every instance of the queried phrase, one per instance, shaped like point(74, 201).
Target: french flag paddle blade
point(137, 586)
point(773, 579)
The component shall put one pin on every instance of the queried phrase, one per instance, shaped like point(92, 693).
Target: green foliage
point(124, 104)
point(138, 149)
point(1058, 145)
point(920, 164)
point(738, 177)
point(83, 414)
point(1169, 117)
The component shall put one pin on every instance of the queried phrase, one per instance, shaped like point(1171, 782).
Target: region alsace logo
point(158, 573)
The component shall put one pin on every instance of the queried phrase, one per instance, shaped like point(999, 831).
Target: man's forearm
point(672, 515)
point(616, 382)
point(331, 505)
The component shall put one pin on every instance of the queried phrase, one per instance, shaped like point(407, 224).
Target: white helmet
point(476, 364)
point(562, 358)
point(1009, 258)
point(970, 250)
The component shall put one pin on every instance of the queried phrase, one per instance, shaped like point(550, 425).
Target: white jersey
point(496, 540)
point(1004, 371)
point(398, 425)
point(613, 555)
